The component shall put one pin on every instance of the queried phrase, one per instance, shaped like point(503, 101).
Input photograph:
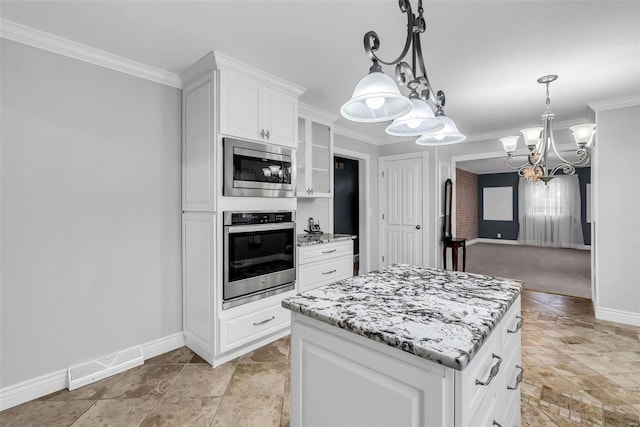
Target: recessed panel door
point(402, 212)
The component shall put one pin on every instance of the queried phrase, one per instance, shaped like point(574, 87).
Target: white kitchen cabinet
point(198, 278)
point(342, 378)
point(314, 158)
point(251, 110)
point(199, 136)
point(325, 263)
point(247, 323)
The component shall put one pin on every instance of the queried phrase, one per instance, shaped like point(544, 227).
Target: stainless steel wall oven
point(258, 170)
point(259, 255)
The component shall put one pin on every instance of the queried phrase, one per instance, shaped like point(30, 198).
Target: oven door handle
point(259, 227)
point(262, 154)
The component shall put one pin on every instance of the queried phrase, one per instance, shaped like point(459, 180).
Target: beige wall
point(90, 190)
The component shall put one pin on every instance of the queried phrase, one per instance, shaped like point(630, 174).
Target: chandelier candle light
point(377, 97)
point(540, 142)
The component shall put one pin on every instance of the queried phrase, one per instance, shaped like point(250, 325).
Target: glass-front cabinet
point(314, 155)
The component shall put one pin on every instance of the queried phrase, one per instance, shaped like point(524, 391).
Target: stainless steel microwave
point(258, 170)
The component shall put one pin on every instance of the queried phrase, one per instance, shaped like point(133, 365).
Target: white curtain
point(550, 214)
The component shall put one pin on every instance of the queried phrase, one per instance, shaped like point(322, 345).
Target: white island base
point(339, 378)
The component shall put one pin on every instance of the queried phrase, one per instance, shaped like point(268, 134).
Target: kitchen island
point(407, 345)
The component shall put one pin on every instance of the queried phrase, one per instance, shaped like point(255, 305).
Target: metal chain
point(548, 99)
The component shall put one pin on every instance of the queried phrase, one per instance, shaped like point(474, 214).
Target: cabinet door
point(302, 160)
point(198, 147)
point(198, 281)
point(321, 160)
point(279, 117)
point(239, 103)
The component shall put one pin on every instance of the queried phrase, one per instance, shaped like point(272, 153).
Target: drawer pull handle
point(494, 371)
point(328, 252)
point(495, 423)
point(518, 326)
point(518, 379)
point(329, 272)
point(264, 321)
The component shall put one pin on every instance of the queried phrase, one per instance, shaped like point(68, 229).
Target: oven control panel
point(240, 218)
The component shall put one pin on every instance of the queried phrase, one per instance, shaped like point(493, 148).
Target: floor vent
point(104, 367)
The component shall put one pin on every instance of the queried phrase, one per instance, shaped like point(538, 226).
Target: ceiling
point(485, 55)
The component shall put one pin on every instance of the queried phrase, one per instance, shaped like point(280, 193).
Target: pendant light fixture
point(540, 142)
point(377, 97)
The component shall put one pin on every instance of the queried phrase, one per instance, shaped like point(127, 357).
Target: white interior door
point(402, 227)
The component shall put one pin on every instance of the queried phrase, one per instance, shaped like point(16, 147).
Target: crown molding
point(628, 101)
point(316, 113)
point(225, 62)
point(359, 136)
point(46, 41)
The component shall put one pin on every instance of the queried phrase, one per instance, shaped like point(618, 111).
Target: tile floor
point(578, 371)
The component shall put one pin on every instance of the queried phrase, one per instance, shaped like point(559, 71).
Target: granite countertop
point(442, 316)
point(316, 239)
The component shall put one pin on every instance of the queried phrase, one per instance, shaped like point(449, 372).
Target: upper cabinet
point(256, 107)
point(199, 136)
point(315, 153)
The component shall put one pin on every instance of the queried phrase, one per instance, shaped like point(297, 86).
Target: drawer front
point(510, 327)
point(322, 273)
point(242, 329)
point(513, 374)
point(324, 251)
point(486, 415)
point(472, 378)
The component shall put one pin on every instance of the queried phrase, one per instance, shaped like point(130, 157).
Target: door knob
point(418, 227)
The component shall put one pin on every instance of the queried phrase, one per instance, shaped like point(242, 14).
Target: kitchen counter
point(442, 316)
point(407, 346)
point(316, 239)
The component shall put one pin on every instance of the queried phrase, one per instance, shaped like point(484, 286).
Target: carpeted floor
point(558, 271)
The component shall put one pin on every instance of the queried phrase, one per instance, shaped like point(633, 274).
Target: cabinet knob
point(262, 133)
point(418, 227)
point(267, 134)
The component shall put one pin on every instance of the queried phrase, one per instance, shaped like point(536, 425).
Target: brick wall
point(466, 205)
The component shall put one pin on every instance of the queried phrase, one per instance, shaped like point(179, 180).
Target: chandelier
point(377, 98)
point(540, 142)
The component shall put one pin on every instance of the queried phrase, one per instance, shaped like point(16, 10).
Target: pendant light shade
point(509, 143)
point(531, 136)
point(449, 134)
point(376, 98)
point(583, 134)
point(418, 121)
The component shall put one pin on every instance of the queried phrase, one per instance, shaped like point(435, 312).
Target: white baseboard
point(499, 241)
point(619, 316)
point(32, 389)
point(162, 345)
point(517, 242)
point(55, 381)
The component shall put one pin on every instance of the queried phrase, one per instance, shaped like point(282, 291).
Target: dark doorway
point(346, 203)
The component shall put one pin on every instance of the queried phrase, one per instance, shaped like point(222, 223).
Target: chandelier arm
point(510, 163)
point(418, 47)
point(372, 41)
point(583, 157)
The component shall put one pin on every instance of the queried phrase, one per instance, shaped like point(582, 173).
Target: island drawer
point(324, 251)
point(322, 273)
point(511, 326)
point(475, 382)
point(235, 331)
